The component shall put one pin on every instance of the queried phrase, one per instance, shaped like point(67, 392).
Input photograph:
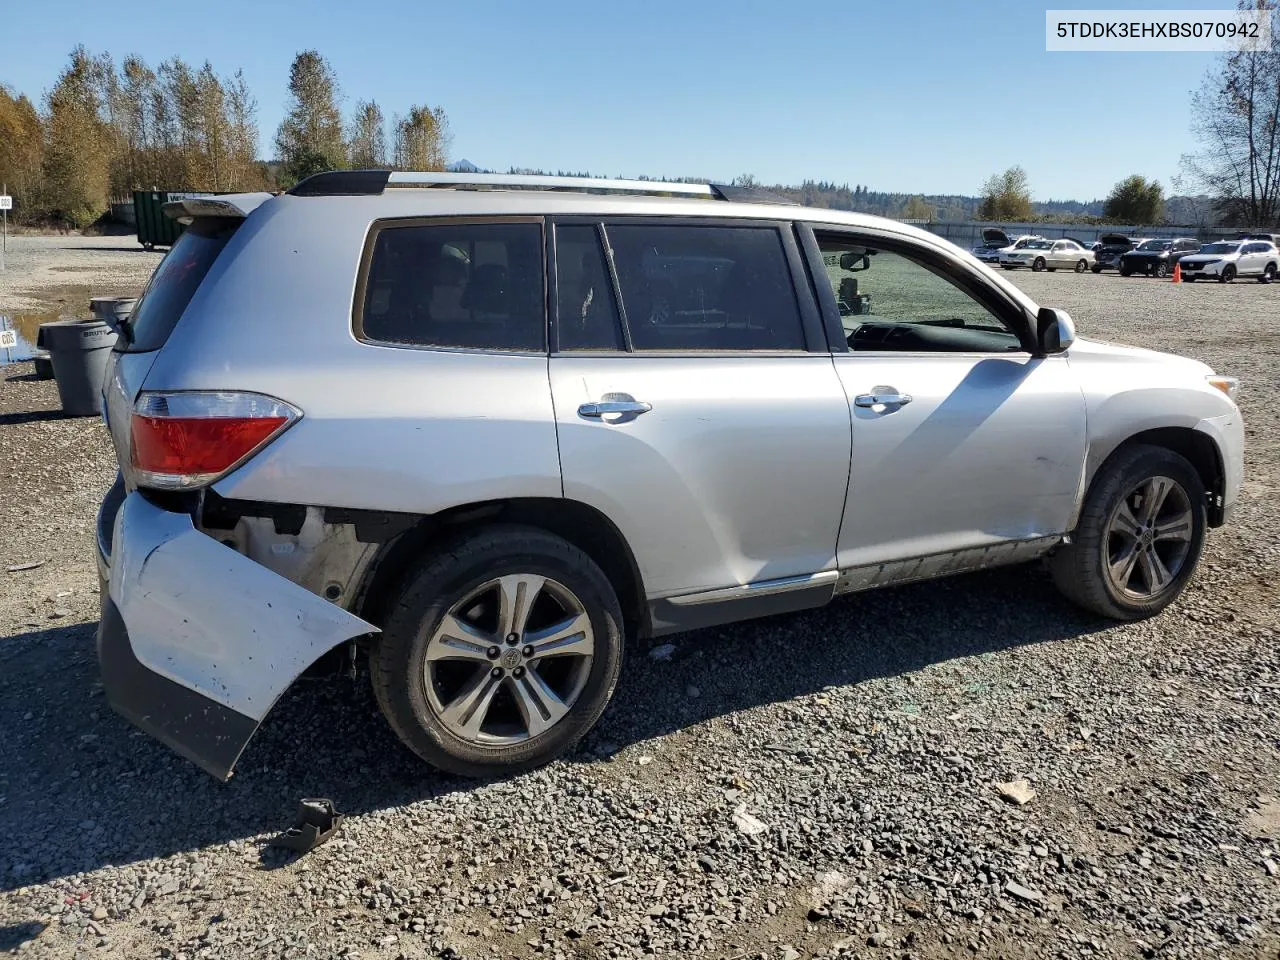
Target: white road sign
point(6, 202)
point(8, 339)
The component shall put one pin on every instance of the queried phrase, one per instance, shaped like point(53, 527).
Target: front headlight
point(1228, 385)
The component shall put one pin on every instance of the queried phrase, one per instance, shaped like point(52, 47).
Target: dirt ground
point(864, 740)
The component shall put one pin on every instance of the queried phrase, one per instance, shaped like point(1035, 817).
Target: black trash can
point(79, 350)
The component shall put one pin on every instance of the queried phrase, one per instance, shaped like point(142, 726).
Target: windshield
point(1038, 244)
point(1155, 245)
point(1220, 248)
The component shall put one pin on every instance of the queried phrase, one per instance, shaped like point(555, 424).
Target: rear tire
point(1163, 546)
point(1096, 269)
point(464, 603)
point(1082, 266)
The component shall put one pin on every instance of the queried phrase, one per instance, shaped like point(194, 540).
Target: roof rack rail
point(346, 183)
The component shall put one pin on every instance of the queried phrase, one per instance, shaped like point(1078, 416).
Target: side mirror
point(851, 261)
point(1055, 331)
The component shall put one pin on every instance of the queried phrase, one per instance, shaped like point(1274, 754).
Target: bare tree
point(242, 112)
point(368, 139)
point(1236, 118)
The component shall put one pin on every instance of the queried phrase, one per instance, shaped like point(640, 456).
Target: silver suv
point(486, 432)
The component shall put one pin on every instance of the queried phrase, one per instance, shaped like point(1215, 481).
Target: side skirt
point(763, 598)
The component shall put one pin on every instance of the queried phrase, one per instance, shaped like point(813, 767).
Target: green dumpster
point(154, 228)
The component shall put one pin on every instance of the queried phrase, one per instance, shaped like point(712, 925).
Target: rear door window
point(476, 286)
point(587, 313)
point(697, 287)
point(175, 282)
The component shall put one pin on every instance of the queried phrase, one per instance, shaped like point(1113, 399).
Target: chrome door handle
point(887, 399)
point(603, 408)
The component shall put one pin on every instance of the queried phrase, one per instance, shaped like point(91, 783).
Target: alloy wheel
point(1149, 537)
point(509, 660)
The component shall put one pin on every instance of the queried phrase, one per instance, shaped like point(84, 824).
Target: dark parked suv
point(1114, 245)
point(1156, 258)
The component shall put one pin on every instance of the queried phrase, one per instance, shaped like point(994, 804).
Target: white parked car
point(1043, 254)
point(1227, 259)
point(995, 243)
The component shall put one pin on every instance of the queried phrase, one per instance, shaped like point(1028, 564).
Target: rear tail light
point(187, 439)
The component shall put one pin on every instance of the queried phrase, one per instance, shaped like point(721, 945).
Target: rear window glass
point(706, 288)
point(175, 282)
point(469, 285)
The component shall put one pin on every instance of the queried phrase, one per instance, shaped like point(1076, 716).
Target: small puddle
point(28, 327)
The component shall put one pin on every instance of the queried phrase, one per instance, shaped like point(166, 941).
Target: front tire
point(1125, 271)
point(1139, 536)
point(1038, 264)
point(1268, 274)
point(500, 653)
point(1162, 270)
point(1228, 274)
point(1096, 269)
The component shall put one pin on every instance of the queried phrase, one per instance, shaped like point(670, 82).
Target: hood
point(1104, 350)
point(994, 237)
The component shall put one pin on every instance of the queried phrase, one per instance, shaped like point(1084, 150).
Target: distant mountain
point(463, 166)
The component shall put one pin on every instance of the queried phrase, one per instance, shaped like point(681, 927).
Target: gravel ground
point(55, 275)
point(821, 784)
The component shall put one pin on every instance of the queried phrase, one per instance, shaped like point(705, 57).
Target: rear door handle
point(603, 408)
point(878, 399)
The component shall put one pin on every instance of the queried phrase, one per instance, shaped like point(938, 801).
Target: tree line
point(106, 129)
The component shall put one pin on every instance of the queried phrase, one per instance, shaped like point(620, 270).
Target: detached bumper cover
point(198, 642)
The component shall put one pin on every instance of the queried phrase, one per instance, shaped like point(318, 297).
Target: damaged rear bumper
point(197, 642)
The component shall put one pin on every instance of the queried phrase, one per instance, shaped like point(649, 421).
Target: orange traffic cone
point(1177, 273)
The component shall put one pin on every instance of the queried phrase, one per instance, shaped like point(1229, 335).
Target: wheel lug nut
point(492, 653)
point(518, 672)
point(512, 639)
point(527, 651)
point(496, 672)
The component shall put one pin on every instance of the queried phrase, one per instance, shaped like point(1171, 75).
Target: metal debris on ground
point(1017, 792)
point(317, 822)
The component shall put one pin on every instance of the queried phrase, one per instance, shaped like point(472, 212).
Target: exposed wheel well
point(1199, 449)
point(583, 526)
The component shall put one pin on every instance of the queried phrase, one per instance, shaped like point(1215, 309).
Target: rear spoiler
point(234, 206)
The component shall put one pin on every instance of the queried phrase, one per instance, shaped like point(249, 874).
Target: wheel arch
point(1198, 448)
point(581, 525)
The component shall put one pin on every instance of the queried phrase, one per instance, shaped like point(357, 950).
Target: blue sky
point(927, 96)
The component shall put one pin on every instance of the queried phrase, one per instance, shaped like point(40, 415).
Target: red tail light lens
point(189, 439)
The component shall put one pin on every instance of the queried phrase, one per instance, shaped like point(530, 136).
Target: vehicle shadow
point(31, 416)
point(81, 788)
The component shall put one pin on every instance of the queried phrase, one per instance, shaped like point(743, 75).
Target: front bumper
point(1140, 264)
point(1202, 269)
point(197, 642)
